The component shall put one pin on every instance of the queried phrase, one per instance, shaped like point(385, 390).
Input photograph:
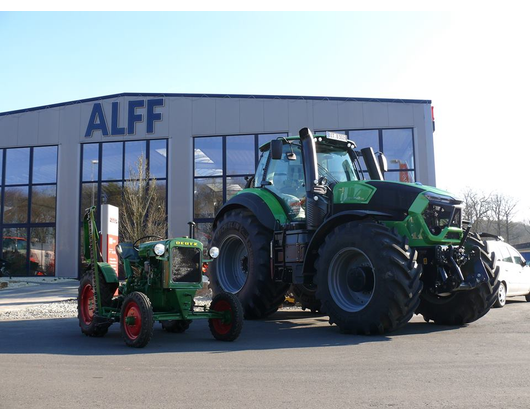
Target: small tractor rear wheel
point(86, 304)
point(367, 278)
point(137, 320)
point(229, 327)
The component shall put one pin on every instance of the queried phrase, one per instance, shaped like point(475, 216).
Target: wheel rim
point(502, 294)
point(133, 321)
point(232, 264)
point(351, 279)
point(88, 304)
point(219, 325)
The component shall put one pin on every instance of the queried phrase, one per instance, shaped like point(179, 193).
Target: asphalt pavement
point(293, 359)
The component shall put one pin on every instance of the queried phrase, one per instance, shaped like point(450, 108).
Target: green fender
point(108, 272)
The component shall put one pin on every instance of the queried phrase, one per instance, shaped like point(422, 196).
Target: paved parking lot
point(293, 360)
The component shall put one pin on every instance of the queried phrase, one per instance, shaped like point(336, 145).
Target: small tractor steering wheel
point(136, 243)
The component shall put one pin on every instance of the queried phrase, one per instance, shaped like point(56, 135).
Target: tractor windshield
point(335, 164)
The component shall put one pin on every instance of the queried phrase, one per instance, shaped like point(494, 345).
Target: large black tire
point(367, 278)
point(86, 304)
point(243, 266)
point(466, 306)
point(137, 320)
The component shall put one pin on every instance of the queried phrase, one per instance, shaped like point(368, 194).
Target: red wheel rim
point(88, 304)
point(132, 321)
point(219, 325)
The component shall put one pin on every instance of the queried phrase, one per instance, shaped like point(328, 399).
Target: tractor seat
point(128, 252)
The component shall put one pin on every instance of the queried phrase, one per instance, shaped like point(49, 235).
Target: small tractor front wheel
point(137, 320)
point(229, 326)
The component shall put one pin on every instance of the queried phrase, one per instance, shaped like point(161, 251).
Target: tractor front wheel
point(137, 320)
point(229, 326)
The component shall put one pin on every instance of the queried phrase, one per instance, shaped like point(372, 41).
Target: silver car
point(514, 272)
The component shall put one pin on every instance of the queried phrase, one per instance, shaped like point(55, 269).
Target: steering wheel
point(136, 243)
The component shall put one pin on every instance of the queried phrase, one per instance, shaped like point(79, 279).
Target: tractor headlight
point(159, 249)
point(214, 252)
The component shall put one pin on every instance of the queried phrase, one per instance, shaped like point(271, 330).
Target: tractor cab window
point(335, 165)
point(285, 178)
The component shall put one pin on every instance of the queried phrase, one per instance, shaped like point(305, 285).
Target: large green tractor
point(369, 253)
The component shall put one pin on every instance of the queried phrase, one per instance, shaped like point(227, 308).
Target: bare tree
point(476, 208)
point(503, 210)
point(143, 210)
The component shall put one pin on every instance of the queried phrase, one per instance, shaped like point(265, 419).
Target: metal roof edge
point(218, 96)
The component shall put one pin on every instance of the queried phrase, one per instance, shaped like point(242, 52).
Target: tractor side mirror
point(383, 163)
point(276, 149)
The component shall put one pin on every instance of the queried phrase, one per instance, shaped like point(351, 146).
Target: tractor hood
point(393, 198)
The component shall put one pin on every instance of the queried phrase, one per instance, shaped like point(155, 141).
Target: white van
point(514, 271)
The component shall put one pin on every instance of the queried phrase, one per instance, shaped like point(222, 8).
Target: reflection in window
point(15, 205)
point(208, 156)
point(15, 250)
point(17, 166)
point(398, 149)
point(240, 155)
point(45, 165)
point(43, 204)
point(42, 251)
point(112, 165)
point(222, 166)
point(207, 197)
point(106, 180)
point(396, 144)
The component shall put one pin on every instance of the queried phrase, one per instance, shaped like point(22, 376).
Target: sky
point(471, 63)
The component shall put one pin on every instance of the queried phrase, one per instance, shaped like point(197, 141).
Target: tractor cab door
point(285, 179)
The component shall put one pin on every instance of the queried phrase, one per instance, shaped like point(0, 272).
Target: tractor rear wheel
point(243, 266)
point(86, 304)
point(367, 278)
point(137, 320)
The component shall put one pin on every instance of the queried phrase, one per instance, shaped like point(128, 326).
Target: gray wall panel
point(227, 116)
point(275, 114)
point(375, 115)
point(203, 114)
point(28, 128)
point(350, 115)
point(48, 126)
point(9, 130)
point(251, 113)
point(325, 115)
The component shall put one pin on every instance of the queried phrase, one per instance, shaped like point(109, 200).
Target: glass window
point(43, 203)
point(259, 170)
point(112, 165)
point(42, 251)
point(90, 162)
point(265, 138)
point(234, 185)
point(15, 250)
point(133, 151)
point(203, 233)
point(398, 149)
point(365, 138)
point(400, 176)
point(17, 166)
point(89, 196)
point(208, 197)
point(29, 203)
point(15, 205)
point(240, 155)
point(45, 165)
point(157, 158)
point(111, 193)
point(208, 156)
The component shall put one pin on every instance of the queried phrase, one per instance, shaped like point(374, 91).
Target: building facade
point(57, 160)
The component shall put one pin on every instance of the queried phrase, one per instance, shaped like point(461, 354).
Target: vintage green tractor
point(162, 279)
point(319, 218)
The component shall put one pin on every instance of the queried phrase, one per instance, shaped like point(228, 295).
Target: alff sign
point(135, 114)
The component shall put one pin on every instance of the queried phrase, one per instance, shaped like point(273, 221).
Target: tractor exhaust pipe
point(316, 205)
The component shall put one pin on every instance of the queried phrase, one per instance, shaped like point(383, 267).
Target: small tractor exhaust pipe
point(192, 229)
